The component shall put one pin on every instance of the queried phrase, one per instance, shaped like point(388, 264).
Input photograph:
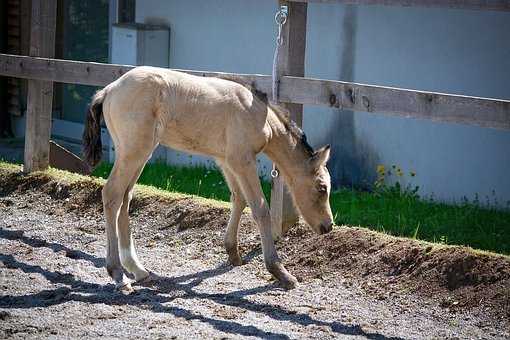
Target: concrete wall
point(456, 51)
point(230, 36)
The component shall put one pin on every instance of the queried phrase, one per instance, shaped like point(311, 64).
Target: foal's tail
point(92, 146)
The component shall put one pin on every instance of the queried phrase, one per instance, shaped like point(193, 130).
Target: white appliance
point(140, 44)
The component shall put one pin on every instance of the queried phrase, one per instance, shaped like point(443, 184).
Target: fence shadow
point(18, 235)
point(163, 290)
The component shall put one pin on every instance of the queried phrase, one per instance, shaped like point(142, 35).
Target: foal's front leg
point(246, 175)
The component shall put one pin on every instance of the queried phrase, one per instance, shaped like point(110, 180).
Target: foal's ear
point(321, 156)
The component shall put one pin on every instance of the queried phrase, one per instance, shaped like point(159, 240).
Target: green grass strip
point(468, 224)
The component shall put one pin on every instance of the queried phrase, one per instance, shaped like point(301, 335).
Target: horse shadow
point(161, 291)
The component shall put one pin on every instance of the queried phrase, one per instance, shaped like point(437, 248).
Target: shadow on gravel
point(17, 235)
point(154, 297)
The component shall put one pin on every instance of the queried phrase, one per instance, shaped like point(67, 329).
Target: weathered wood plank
point(40, 93)
point(63, 71)
point(96, 74)
point(486, 112)
point(291, 62)
point(492, 5)
point(494, 113)
point(436, 106)
point(63, 159)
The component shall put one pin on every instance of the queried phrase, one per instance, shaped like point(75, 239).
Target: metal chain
point(280, 18)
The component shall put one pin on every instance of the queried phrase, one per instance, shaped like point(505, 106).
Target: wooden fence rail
point(492, 5)
point(485, 112)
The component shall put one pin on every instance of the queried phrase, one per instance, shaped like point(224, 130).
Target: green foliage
point(468, 224)
point(389, 209)
point(388, 183)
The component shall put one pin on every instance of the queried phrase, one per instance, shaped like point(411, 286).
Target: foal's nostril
point(326, 228)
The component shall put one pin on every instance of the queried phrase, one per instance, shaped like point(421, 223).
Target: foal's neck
point(287, 151)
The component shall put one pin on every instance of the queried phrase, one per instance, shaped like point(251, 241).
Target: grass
point(200, 181)
point(401, 215)
point(406, 215)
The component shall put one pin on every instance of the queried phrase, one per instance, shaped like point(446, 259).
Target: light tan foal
point(210, 116)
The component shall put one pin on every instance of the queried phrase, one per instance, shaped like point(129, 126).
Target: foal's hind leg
point(238, 205)
point(112, 201)
point(128, 256)
point(116, 191)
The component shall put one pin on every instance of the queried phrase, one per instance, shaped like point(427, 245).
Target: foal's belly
point(201, 135)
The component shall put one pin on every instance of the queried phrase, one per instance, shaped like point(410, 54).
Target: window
point(126, 12)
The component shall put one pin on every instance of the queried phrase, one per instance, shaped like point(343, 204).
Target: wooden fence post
point(291, 63)
point(40, 93)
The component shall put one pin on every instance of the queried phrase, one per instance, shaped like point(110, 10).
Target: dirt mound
point(84, 196)
point(456, 277)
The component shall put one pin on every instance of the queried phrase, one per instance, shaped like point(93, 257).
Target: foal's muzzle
point(326, 228)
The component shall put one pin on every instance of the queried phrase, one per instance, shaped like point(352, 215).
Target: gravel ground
point(53, 284)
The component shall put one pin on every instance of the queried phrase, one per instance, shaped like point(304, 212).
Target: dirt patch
point(85, 196)
point(389, 271)
point(458, 277)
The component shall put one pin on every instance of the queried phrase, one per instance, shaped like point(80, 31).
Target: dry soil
point(354, 282)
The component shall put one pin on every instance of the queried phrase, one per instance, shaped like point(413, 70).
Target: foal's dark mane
point(284, 116)
point(282, 113)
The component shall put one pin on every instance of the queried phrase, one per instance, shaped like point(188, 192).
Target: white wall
point(455, 51)
point(229, 36)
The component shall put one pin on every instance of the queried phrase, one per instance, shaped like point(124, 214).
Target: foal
point(215, 117)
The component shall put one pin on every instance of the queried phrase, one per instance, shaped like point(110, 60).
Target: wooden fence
point(295, 89)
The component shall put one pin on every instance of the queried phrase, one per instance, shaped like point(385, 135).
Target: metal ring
point(280, 17)
point(274, 173)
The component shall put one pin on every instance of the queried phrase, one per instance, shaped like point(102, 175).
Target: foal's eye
point(322, 188)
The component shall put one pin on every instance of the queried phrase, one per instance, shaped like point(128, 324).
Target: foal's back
point(197, 114)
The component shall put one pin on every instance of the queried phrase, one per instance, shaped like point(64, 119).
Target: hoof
point(125, 288)
point(289, 283)
point(286, 280)
point(147, 280)
point(235, 260)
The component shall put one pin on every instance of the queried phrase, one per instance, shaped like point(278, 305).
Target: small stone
point(4, 315)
